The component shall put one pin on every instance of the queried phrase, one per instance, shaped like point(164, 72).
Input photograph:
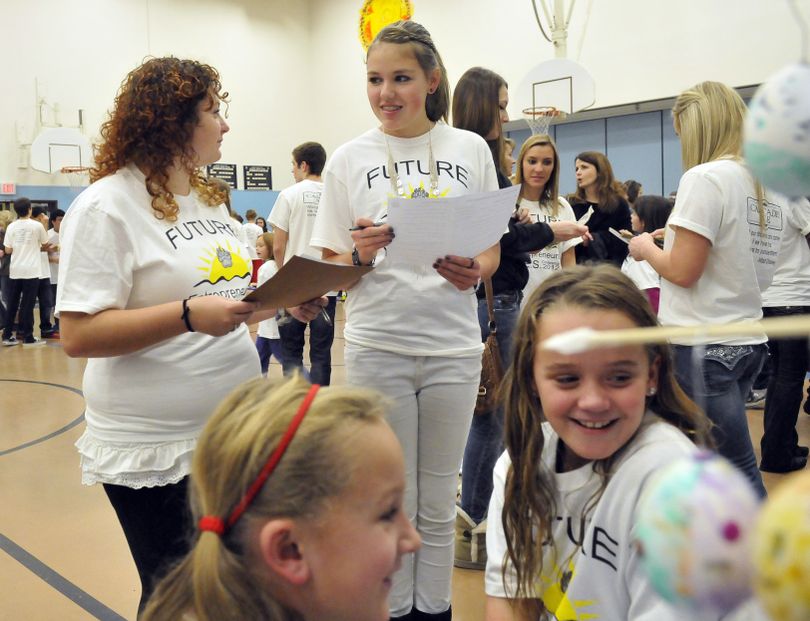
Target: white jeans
point(432, 400)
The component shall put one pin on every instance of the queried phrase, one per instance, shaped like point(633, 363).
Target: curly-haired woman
point(150, 282)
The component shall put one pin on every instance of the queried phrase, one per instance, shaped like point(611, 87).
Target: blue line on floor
point(58, 582)
point(53, 434)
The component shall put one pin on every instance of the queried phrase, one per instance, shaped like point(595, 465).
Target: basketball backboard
point(559, 83)
point(57, 147)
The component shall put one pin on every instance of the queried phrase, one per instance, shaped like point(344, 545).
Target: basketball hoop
point(78, 176)
point(539, 118)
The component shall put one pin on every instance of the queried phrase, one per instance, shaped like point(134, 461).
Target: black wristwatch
point(356, 258)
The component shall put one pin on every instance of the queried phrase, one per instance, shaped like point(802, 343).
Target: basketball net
point(539, 118)
point(78, 176)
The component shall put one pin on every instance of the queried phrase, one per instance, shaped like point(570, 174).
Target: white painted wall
point(79, 52)
point(295, 68)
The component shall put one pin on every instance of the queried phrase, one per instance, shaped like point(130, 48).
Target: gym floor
point(62, 553)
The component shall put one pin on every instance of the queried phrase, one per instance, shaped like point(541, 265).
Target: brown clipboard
point(301, 279)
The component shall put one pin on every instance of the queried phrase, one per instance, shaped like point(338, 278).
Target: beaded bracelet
point(184, 316)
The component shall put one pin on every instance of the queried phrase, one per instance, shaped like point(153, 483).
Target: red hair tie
point(217, 525)
point(212, 524)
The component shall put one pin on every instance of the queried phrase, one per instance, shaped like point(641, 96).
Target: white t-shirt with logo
point(294, 213)
point(546, 261)
point(145, 410)
point(791, 281)
point(269, 327)
point(399, 308)
point(717, 200)
point(596, 571)
point(25, 237)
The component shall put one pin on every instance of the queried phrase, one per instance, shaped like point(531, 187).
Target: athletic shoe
point(12, 340)
point(756, 399)
point(53, 334)
point(33, 342)
point(471, 542)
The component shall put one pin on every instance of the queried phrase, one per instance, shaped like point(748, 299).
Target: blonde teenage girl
point(584, 434)
point(538, 174)
point(297, 498)
point(412, 333)
point(719, 253)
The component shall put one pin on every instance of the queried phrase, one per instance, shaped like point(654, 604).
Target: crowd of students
point(340, 502)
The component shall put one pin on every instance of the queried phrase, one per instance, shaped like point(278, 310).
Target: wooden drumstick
point(584, 339)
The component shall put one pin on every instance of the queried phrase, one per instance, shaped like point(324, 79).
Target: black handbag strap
point(493, 327)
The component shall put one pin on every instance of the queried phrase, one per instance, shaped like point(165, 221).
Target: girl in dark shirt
point(479, 105)
point(597, 188)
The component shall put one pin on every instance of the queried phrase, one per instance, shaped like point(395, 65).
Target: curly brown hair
point(152, 123)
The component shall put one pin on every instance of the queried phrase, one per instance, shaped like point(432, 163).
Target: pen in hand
point(326, 316)
point(360, 228)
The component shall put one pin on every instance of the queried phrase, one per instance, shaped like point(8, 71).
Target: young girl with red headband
point(297, 495)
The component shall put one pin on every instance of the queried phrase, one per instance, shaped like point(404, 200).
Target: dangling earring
point(651, 391)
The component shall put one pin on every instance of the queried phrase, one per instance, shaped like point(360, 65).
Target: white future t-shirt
point(791, 281)
point(25, 237)
point(294, 213)
point(546, 261)
point(593, 572)
point(398, 308)
point(269, 327)
point(717, 200)
point(145, 410)
point(252, 232)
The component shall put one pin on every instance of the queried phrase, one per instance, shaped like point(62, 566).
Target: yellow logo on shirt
point(224, 263)
point(555, 597)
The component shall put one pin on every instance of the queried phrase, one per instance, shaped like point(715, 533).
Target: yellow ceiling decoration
point(377, 14)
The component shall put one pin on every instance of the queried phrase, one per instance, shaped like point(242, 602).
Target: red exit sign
point(8, 188)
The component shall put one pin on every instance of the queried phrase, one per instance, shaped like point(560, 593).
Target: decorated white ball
point(693, 533)
point(777, 132)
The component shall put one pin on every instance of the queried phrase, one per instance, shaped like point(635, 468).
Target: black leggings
point(157, 525)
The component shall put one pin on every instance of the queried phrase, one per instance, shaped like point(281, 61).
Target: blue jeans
point(485, 442)
point(718, 378)
point(789, 359)
point(266, 348)
point(321, 336)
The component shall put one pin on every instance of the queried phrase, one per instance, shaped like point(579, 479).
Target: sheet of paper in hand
point(427, 229)
point(583, 220)
point(302, 279)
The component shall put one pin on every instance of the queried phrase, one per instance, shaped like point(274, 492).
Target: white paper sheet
point(428, 229)
point(577, 241)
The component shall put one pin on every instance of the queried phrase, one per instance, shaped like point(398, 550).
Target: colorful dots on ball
point(777, 132)
point(781, 551)
point(693, 533)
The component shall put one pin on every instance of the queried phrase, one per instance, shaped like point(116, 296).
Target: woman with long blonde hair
point(719, 254)
point(538, 175)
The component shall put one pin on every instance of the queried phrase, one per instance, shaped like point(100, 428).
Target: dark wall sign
point(226, 172)
point(258, 177)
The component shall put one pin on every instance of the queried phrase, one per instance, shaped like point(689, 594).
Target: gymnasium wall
point(295, 70)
